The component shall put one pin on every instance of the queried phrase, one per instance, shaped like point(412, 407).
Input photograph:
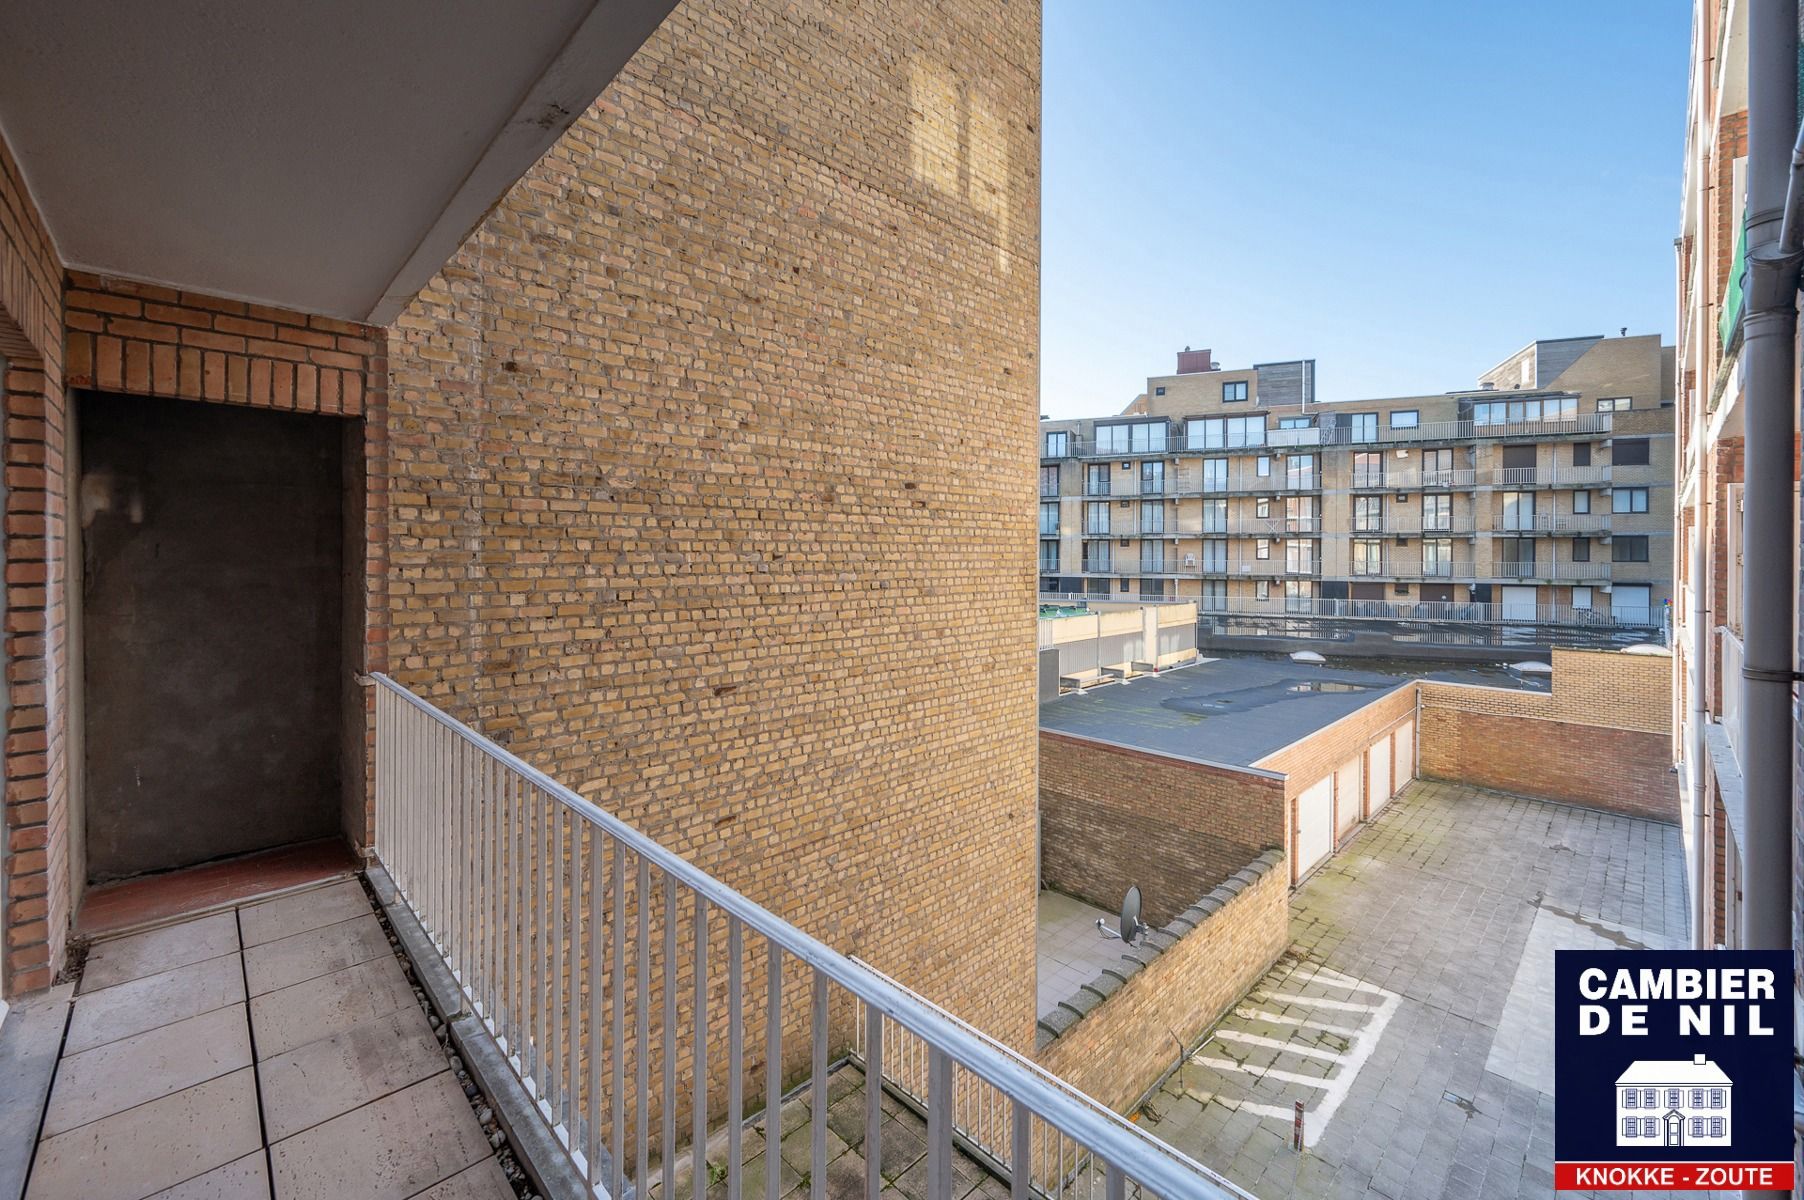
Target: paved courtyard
point(1069, 948)
point(1412, 1014)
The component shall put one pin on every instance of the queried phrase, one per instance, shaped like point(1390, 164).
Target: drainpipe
point(1701, 634)
point(1774, 239)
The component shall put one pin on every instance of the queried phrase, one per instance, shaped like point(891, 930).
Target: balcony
point(1591, 424)
point(1548, 571)
point(1437, 611)
point(1401, 566)
point(1558, 524)
point(1412, 479)
point(1562, 477)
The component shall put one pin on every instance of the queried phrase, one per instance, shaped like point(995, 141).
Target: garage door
point(1315, 827)
point(1405, 757)
point(1378, 759)
point(1518, 603)
point(1347, 797)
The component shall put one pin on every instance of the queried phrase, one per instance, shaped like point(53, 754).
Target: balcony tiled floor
point(271, 1050)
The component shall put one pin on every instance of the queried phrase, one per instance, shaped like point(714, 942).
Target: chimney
point(1191, 361)
point(1697, 1060)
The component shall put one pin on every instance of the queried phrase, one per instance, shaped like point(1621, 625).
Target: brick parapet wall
point(37, 905)
point(1113, 1039)
point(1311, 758)
point(1601, 737)
point(1112, 817)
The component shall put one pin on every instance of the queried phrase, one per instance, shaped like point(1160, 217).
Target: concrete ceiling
point(320, 155)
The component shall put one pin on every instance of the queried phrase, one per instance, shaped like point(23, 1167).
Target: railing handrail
point(1114, 1141)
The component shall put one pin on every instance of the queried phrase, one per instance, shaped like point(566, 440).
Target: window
point(1299, 471)
point(1137, 438)
point(1518, 511)
point(1437, 512)
point(1650, 1127)
point(1716, 1097)
point(1299, 595)
point(1215, 474)
point(1518, 557)
point(1295, 423)
point(1049, 556)
point(1159, 391)
point(1672, 1097)
point(1058, 444)
point(1407, 418)
point(1368, 469)
point(1096, 518)
point(1299, 514)
point(1049, 481)
point(1628, 500)
point(1614, 404)
point(1234, 391)
point(1127, 585)
point(1215, 516)
point(1437, 557)
point(1262, 467)
point(1581, 599)
point(1581, 549)
point(1581, 454)
point(1717, 1126)
point(1437, 468)
point(1152, 478)
point(1581, 503)
point(1368, 514)
point(1098, 557)
point(1096, 479)
point(1368, 558)
point(1628, 1100)
point(1049, 518)
point(1219, 433)
point(1649, 1098)
point(1628, 549)
point(1629, 1125)
point(1152, 518)
point(1215, 554)
point(1262, 589)
point(1262, 548)
point(1215, 595)
point(1698, 1125)
point(1697, 1100)
point(1629, 452)
point(1362, 427)
point(1152, 557)
point(1522, 412)
point(1262, 507)
point(1299, 557)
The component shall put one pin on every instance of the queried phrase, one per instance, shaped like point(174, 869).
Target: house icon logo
point(1665, 1102)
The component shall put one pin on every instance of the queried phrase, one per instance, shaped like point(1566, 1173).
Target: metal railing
point(1505, 477)
point(1545, 569)
point(1731, 689)
point(1420, 610)
point(551, 913)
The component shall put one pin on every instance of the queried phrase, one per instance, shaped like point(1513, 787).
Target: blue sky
point(1404, 191)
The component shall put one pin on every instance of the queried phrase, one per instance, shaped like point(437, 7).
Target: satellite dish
point(1130, 927)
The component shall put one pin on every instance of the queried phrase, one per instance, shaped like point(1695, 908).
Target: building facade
point(1544, 494)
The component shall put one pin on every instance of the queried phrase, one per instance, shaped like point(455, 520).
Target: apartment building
point(1543, 494)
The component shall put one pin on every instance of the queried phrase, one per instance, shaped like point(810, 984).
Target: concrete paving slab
point(484, 1181)
point(142, 1004)
point(322, 1079)
point(153, 1147)
point(320, 1008)
point(119, 960)
point(123, 1074)
point(301, 911)
point(391, 1149)
point(314, 952)
point(246, 1178)
point(29, 1036)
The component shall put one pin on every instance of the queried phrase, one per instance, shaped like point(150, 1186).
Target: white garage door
point(1315, 827)
point(1347, 797)
point(1518, 603)
point(1379, 756)
point(1406, 752)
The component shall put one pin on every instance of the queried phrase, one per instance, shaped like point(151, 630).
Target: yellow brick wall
point(1605, 688)
point(713, 457)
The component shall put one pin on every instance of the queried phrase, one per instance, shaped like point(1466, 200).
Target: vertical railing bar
point(595, 907)
point(455, 932)
point(873, 1100)
point(642, 1032)
point(735, 1057)
point(773, 1069)
point(1021, 1174)
point(698, 1144)
point(497, 778)
point(817, 1092)
point(556, 1012)
point(510, 970)
point(939, 1124)
point(670, 1037)
point(531, 949)
point(581, 884)
point(1115, 1182)
point(617, 1108)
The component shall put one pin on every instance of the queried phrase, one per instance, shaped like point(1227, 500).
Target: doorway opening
point(212, 631)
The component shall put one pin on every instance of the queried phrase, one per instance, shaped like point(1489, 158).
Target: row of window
point(1650, 1097)
point(1518, 514)
point(1648, 1127)
point(1367, 555)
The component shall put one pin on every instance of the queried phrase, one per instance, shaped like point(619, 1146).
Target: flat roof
point(1238, 709)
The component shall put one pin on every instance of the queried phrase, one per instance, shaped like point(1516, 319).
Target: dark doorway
point(212, 550)
point(1441, 593)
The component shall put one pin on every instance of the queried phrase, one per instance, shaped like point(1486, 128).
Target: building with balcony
point(1544, 494)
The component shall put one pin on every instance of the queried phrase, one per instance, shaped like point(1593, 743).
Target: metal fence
point(594, 957)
